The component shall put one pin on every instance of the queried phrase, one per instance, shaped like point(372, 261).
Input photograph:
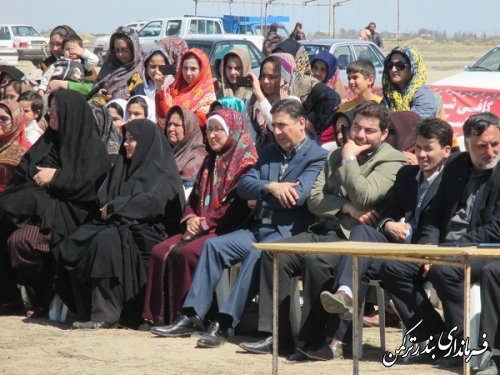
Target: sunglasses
point(4, 119)
point(399, 65)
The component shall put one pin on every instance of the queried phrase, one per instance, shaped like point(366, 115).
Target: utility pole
point(334, 5)
point(398, 35)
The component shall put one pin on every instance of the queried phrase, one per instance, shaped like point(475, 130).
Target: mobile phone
point(345, 133)
point(168, 69)
point(244, 82)
point(457, 244)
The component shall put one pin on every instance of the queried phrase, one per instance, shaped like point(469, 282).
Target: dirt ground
point(36, 346)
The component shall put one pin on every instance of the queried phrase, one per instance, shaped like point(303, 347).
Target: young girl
point(192, 89)
point(140, 107)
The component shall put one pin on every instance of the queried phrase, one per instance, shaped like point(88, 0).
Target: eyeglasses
point(121, 50)
point(399, 65)
point(216, 131)
point(171, 123)
point(5, 120)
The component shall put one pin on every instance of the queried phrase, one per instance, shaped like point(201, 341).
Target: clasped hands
point(44, 176)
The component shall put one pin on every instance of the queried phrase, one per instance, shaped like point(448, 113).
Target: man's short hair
point(435, 128)
point(364, 67)
point(292, 107)
point(373, 109)
point(478, 123)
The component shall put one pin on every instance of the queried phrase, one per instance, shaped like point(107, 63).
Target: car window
point(151, 29)
point(344, 56)
point(312, 50)
point(24, 31)
point(247, 29)
point(250, 48)
point(365, 52)
point(4, 33)
point(173, 27)
point(489, 62)
point(203, 46)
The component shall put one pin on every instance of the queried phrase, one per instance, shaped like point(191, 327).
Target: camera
point(244, 82)
point(168, 69)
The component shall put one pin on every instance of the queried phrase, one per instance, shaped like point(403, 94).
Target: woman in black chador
point(141, 202)
point(56, 192)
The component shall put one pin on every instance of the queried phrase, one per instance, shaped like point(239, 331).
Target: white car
point(8, 54)
point(30, 44)
point(484, 73)
point(475, 90)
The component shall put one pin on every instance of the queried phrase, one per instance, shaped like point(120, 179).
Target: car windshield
point(24, 31)
point(203, 46)
point(313, 49)
point(489, 62)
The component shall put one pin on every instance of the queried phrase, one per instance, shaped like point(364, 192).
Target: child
point(361, 76)
point(32, 105)
point(75, 63)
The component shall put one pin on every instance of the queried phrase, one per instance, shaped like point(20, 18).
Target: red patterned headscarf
point(198, 95)
point(221, 172)
point(13, 144)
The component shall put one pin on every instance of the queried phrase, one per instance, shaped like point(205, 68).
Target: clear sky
point(103, 16)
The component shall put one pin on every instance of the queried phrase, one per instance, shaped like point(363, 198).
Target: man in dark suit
point(279, 184)
point(466, 209)
point(408, 204)
point(353, 183)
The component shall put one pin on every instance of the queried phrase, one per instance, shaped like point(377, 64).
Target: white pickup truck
point(189, 27)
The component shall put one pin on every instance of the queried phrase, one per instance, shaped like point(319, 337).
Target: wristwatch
point(348, 159)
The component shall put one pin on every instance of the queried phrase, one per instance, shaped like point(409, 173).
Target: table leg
point(467, 285)
point(355, 315)
point(275, 313)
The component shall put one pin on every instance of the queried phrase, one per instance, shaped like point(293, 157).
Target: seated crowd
point(127, 193)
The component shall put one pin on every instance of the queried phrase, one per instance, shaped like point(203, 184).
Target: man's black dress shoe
point(184, 326)
point(322, 352)
point(93, 325)
point(298, 356)
point(264, 346)
point(212, 337)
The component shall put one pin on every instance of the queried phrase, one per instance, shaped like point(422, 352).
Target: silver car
point(346, 51)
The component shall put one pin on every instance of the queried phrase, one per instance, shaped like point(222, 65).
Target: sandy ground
point(44, 347)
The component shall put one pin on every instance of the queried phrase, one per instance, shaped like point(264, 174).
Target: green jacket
point(364, 182)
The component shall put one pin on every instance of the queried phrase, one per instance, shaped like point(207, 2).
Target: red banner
point(461, 102)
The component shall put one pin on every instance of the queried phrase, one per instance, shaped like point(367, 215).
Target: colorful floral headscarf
point(395, 99)
point(221, 171)
point(13, 144)
point(175, 47)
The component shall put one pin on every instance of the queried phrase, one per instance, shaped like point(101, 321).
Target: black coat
point(484, 225)
point(402, 201)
